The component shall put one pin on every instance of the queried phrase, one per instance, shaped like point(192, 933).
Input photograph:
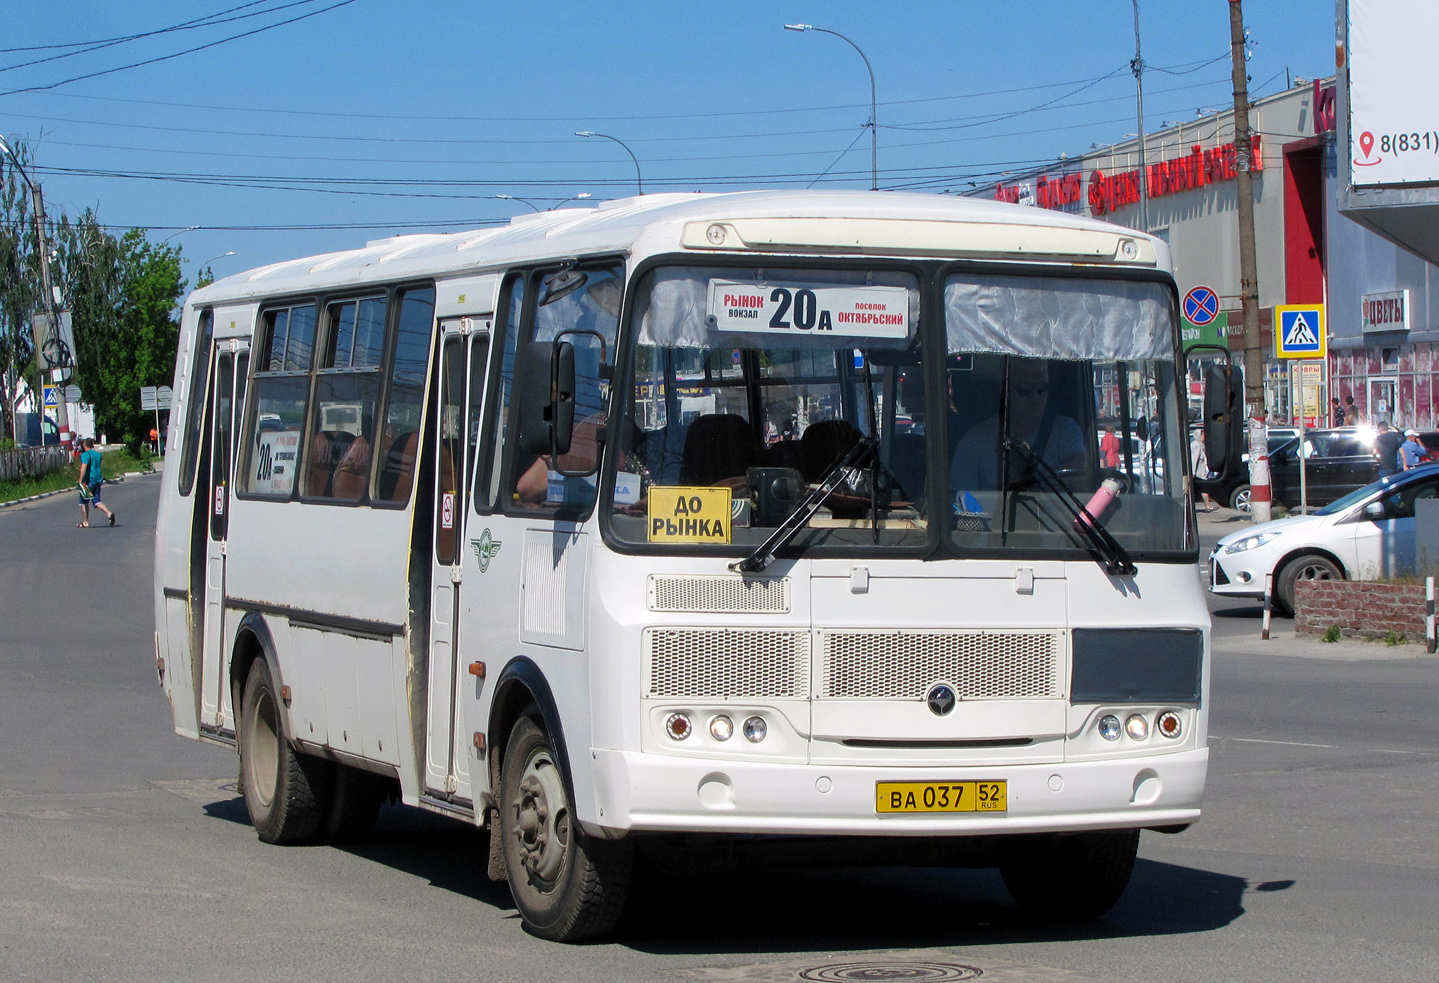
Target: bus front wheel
point(1073, 876)
point(285, 791)
point(566, 885)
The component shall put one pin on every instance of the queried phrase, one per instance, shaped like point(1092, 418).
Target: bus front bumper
point(650, 792)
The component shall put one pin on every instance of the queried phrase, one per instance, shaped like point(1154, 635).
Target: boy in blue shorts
point(91, 478)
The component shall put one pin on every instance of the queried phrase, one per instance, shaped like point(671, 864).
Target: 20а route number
point(791, 309)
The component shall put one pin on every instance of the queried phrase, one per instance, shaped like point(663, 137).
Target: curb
point(61, 491)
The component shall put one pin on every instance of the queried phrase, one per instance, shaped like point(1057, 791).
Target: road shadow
point(841, 910)
point(450, 854)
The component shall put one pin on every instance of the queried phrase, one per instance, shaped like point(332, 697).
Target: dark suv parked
point(1335, 463)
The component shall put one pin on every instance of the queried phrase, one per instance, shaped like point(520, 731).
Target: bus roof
point(793, 222)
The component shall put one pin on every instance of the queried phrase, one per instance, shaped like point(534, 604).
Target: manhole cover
point(891, 970)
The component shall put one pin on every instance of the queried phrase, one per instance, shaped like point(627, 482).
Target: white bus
point(700, 525)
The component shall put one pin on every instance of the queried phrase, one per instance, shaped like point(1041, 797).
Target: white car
point(1369, 533)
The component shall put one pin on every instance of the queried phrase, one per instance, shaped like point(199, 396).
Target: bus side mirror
point(1223, 426)
point(547, 413)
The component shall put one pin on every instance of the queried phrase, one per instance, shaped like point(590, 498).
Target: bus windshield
point(755, 393)
point(1062, 395)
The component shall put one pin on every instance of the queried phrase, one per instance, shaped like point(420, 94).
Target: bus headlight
point(1109, 727)
point(678, 727)
point(755, 729)
point(721, 728)
point(1136, 727)
point(1170, 724)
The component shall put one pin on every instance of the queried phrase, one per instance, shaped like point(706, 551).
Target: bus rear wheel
point(1071, 877)
point(566, 885)
point(285, 791)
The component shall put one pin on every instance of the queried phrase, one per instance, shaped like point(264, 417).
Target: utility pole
point(1137, 66)
point(1249, 274)
point(62, 418)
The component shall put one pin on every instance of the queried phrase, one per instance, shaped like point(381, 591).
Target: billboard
point(1393, 93)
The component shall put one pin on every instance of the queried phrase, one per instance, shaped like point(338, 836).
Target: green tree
point(19, 288)
point(123, 294)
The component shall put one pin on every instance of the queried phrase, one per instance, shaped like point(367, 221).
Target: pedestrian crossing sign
point(1299, 331)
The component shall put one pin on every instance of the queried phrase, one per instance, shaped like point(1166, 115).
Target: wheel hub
point(542, 822)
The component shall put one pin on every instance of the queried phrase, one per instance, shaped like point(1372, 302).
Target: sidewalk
point(1286, 644)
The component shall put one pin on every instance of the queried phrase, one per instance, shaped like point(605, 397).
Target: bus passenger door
point(216, 714)
point(463, 354)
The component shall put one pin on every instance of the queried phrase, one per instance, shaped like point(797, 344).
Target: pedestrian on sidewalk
point(1411, 452)
point(1199, 461)
point(91, 478)
point(1386, 449)
point(1351, 412)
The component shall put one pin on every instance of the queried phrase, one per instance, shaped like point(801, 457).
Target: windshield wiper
point(1105, 549)
point(799, 518)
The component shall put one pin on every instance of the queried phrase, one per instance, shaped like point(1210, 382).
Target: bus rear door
point(231, 370)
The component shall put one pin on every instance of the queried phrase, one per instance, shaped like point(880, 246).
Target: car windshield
point(1353, 498)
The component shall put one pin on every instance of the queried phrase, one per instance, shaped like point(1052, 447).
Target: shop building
point(1383, 341)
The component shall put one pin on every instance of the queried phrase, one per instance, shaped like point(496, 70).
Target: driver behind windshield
point(979, 457)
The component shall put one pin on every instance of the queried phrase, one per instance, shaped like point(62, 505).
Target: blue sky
point(375, 118)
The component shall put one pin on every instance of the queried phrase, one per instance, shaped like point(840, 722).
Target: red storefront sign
point(1195, 169)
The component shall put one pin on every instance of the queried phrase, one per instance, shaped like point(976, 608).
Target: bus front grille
point(726, 663)
point(717, 594)
point(903, 665)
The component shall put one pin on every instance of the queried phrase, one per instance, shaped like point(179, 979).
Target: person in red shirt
point(1109, 447)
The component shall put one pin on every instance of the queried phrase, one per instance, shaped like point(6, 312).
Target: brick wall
point(1359, 610)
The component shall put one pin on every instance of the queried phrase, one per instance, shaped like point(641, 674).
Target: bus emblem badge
point(940, 700)
point(485, 549)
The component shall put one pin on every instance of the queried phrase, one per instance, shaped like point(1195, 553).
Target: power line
point(128, 37)
point(210, 20)
point(178, 54)
point(410, 117)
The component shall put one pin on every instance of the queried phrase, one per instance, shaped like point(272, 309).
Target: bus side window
point(400, 441)
point(281, 385)
point(586, 316)
point(512, 306)
point(347, 393)
point(199, 373)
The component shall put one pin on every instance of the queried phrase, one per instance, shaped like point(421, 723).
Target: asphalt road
point(125, 854)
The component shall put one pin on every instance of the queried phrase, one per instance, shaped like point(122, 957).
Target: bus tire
point(1072, 877)
point(566, 885)
point(285, 791)
point(355, 799)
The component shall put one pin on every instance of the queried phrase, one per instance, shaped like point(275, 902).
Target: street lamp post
point(525, 200)
point(206, 264)
point(639, 180)
point(579, 197)
point(1137, 66)
point(873, 113)
point(188, 228)
point(62, 417)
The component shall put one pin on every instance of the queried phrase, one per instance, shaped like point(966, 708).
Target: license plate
point(940, 797)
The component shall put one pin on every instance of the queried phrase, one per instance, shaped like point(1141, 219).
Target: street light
point(639, 181)
point(525, 200)
point(206, 264)
point(579, 197)
point(873, 115)
point(188, 228)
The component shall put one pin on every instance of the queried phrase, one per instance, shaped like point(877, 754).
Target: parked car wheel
point(1239, 497)
point(1309, 567)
